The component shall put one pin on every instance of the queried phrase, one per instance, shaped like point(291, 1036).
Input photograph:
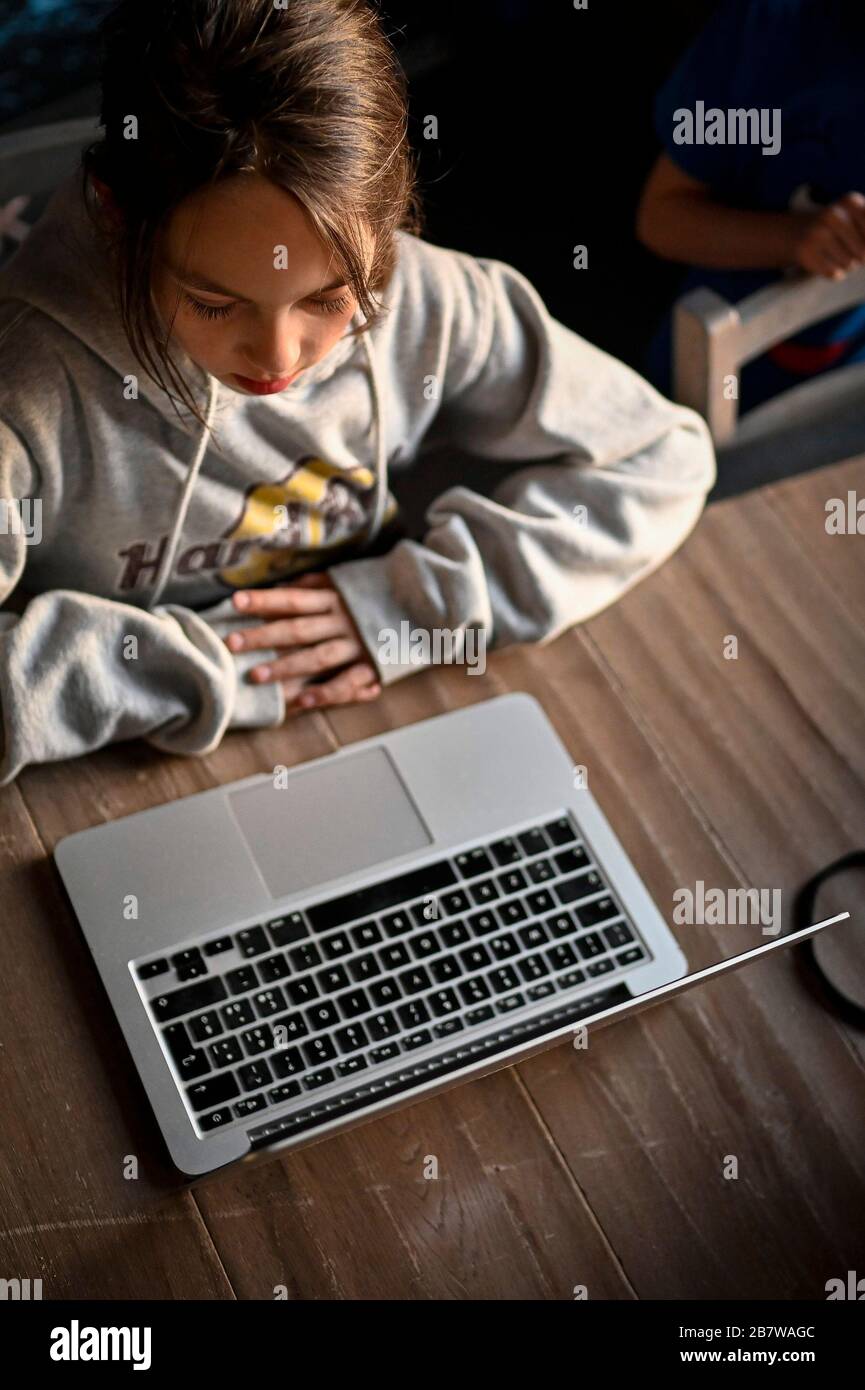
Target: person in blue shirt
point(763, 171)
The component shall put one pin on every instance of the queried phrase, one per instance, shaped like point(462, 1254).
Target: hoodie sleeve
point(78, 671)
point(617, 478)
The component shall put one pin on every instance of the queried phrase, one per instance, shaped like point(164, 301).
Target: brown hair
point(305, 93)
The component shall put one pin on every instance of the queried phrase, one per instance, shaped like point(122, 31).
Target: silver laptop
point(300, 951)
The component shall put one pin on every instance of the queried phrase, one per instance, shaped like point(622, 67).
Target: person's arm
point(619, 479)
point(78, 671)
point(680, 220)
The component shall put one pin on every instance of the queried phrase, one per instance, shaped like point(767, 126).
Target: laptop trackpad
point(336, 818)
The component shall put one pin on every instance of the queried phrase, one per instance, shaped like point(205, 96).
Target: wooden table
point(603, 1168)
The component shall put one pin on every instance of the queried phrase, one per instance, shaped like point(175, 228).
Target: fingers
point(310, 661)
point(358, 683)
point(289, 632)
point(287, 598)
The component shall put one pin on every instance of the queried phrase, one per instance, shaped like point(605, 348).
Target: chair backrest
point(32, 164)
point(713, 339)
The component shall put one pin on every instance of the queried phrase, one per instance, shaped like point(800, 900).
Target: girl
point(215, 344)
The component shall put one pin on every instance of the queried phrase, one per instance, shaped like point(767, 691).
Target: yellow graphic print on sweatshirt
point(286, 527)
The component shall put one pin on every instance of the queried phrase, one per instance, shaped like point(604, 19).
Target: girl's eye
point(208, 311)
point(331, 306)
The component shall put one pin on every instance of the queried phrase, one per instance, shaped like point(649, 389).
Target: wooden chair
point(818, 422)
point(32, 163)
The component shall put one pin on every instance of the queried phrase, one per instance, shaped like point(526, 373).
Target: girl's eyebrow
point(201, 282)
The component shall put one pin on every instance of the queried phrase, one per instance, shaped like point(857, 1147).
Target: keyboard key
point(252, 941)
point(448, 968)
point(289, 1027)
point(482, 922)
point(511, 913)
point(226, 1053)
point(534, 935)
point(243, 980)
point(563, 924)
point(395, 923)
point(429, 911)
point(285, 931)
point(392, 957)
point(151, 968)
point(385, 992)
point(513, 881)
point(455, 903)
point(481, 1015)
point(541, 870)
point(600, 967)
point(206, 1026)
point(598, 911)
point(561, 956)
point(619, 934)
point(573, 977)
point(219, 946)
point(590, 946)
point(448, 1026)
point(237, 1015)
point(351, 1065)
point(473, 862)
point(455, 933)
point(249, 1106)
point(503, 947)
point(541, 991)
point(414, 1013)
point(322, 1015)
point(257, 1040)
point(204, 1095)
point(272, 969)
point(427, 944)
point(476, 957)
point(216, 1119)
point(318, 1078)
point(367, 934)
point(443, 1001)
point(254, 1075)
point(506, 851)
point(353, 1004)
point(284, 1092)
point(502, 979)
point(319, 1050)
point(533, 967)
point(382, 1025)
point(513, 1001)
point(305, 957)
point(351, 1038)
point(416, 1040)
point(189, 964)
point(570, 890)
point(302, 991)
point(484, 892)
point(269, 1002)
point(190, 1061)
point(365, 968)
point(336, 945)
point(385, 1053)
point(540, 902)
point(572, 860)
point(473, 991)
point(367, 902)
point(333, 979)
point(560, 831)
point(287, 1061)
point(533, 841)
point(414, 981)
point(631, 957)
point(188, 999)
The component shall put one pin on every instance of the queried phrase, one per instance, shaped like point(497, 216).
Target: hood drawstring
point(168, 557)
point(380, 494)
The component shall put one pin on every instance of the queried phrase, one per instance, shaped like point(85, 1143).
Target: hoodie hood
point(60, 270)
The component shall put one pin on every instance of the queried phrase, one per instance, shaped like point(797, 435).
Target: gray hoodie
point(124, 529)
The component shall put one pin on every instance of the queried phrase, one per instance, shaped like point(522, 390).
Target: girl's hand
point(307, 617)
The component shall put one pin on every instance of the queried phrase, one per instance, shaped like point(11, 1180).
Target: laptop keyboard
point(406, 979)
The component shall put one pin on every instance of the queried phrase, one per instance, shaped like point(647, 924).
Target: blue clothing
point(805, 59)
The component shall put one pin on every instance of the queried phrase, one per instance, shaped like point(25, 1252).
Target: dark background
point(545, 131)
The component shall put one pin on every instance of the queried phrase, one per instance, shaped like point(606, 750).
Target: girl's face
point(246, 321)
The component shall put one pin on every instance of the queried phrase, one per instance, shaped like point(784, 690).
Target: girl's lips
point(265, 388)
